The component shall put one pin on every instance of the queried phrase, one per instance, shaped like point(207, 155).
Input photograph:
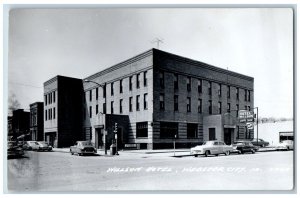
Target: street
point(62, 172)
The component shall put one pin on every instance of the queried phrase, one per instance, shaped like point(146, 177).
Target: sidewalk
point(159, 152)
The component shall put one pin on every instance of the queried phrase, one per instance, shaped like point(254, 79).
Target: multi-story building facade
point(63, 102)
point(37, 121)
point(166, 96)
point(19, 124)
point(153, 98)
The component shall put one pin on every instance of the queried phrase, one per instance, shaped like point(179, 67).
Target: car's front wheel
point(207, 153)
point(227, 153)
point(195, 155)
point(253, 151)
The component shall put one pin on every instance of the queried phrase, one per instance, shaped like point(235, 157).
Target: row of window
point(50, 114)
point(167, 130)
point(189, 85)
point(121, 85)
point(145, 105)
point(188, 105)
point(49, 98)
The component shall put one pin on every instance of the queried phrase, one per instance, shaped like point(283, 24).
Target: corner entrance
point(228, 135)
point(99, 138)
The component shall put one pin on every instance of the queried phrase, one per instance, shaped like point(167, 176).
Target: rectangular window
point(161, 102)
point(249, 96)
point(161, 79)
point(188, 83)
point(50, 98)
point(104, 91)
point(228, 91)
point(210, 107)
point(49, 117)
point(112, 88)
point(54, 96)
point(175, 81)
point(209, 88)
point(212, 133)
point(188, 104)
point(46, 114)
point(199, 86)
point(228, 107)
point(138, 81)
point(138, 102)
point(121, 106)
point(121, 86)
point(97, 89)
point(97, 109)
point(199, 105)
point(249, 108)
point(168, 129)
point(91, 111)
point(112, 107)
point(145, 101)
point(237, 93)
point(141, 129)
point(192, 130)
point(237, 110)
point(104, 108)
point(175, 103)
point(219, 90)
point(245, 94)
point(45, 100)
point(130, 83)
point(130, 104)
point(90, 95)
point(145, 78)
point(54, 113)
point(246, 107)
point(220, 107)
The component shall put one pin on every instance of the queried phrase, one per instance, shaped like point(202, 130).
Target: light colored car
point(285, 145)
point(82, 148)
point(31, 145)
point(44, 146)
point(212, 148)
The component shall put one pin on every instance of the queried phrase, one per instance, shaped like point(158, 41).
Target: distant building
point(154, 97)
point(37, 121)
point(9, 126)
point(19, 123)
point(63, 104)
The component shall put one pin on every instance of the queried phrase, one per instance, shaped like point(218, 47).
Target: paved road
point(62, 172)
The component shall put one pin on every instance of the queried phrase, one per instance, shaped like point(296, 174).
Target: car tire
point(239, 152)
point(195, 155)
point(253, 151)
point(287, 148)
point(227, 153)
point(207, 153)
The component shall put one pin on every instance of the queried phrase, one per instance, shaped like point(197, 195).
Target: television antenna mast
point(157, 41)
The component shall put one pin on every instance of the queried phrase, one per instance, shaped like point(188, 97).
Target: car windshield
point(86, 144)
point(207, 143)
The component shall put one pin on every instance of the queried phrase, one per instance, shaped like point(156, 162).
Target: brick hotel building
point(153, 98)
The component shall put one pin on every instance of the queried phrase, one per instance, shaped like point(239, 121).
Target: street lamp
point(103, 87)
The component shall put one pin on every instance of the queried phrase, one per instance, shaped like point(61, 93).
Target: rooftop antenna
point(157, 41)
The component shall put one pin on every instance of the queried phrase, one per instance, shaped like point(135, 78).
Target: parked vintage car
point(82, 148)
point(31, 145)
point(285, 145)
point(14, 150)
point(211, 148)
point(260, 142)
point(244, 146)
point(44, 146)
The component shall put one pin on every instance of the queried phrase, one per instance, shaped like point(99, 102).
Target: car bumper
point(197, 152)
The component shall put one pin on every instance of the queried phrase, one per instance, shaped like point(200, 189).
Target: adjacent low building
point(151, 99)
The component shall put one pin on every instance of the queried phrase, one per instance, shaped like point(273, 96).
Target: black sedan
point(259, 142)
point(244, 147)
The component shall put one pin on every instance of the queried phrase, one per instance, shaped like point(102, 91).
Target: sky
point(257, 42)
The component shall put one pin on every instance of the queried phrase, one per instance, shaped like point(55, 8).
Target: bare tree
point(13, 103)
